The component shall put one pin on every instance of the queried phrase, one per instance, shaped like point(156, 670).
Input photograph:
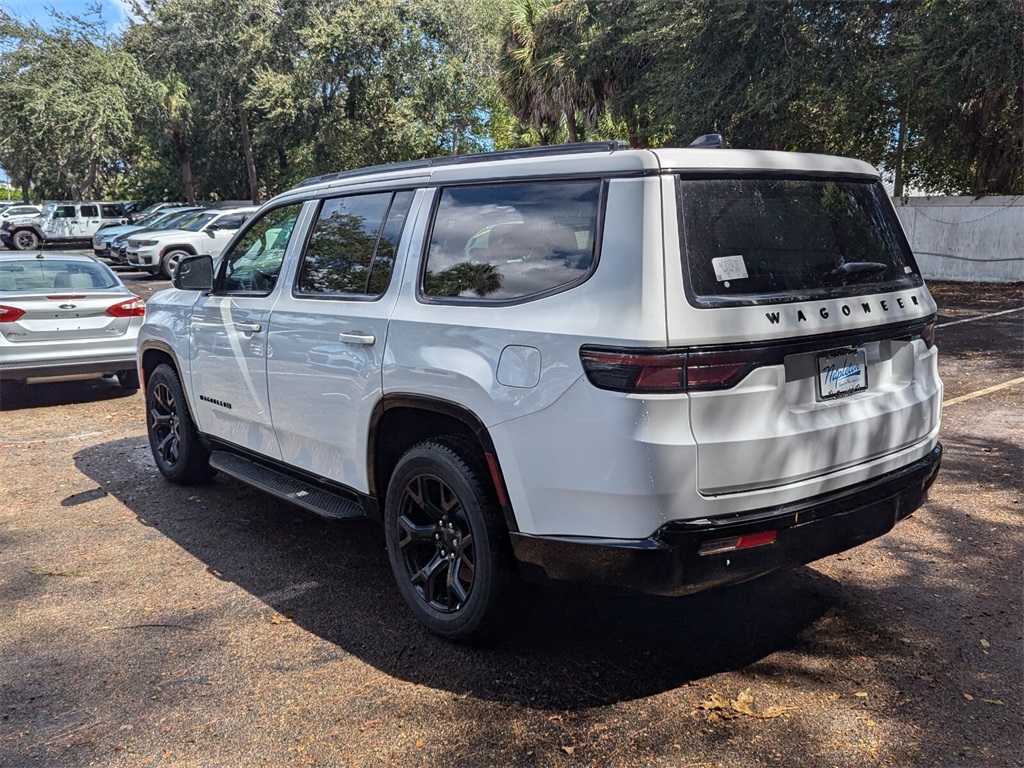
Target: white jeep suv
point(658, 369)
point(61, 223)
point(207, 233)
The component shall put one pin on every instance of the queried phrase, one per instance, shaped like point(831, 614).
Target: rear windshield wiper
point(857, 267)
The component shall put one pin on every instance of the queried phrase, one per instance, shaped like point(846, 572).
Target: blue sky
point(113, 12)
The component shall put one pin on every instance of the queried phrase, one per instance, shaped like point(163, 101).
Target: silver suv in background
point(664, 370)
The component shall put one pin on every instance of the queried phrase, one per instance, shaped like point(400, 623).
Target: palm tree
point(527, 94)
point(176, 112)
point(543, 68)
point(564, 33)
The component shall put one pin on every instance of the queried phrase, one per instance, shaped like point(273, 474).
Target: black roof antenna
point(708, 141)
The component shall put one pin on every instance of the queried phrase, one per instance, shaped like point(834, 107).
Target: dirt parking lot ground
point(142, 624)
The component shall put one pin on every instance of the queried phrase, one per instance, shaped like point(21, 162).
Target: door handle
point(248, 327)
point(356, 337)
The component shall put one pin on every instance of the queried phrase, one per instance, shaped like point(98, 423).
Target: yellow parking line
point(980, 392)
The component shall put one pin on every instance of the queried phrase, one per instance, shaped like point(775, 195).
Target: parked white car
point(207, 233)
point(664, 370)
point(19, 210)
point(157, 220)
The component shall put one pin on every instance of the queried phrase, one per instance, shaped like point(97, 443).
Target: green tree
point(71, 99)
point(960, 94)
point(215, 47)
point(175, 114)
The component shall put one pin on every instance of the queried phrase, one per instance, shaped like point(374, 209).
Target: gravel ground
point(147, 624)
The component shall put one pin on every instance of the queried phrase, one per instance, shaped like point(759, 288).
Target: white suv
point(61, 223)
point(207, 233)
point(658, 369)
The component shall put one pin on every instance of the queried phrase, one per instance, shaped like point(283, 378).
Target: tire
point(446, 539)
point(9, 390)
point(169, 263)
point(179, 454)
point(128, 379)
point(24, 240)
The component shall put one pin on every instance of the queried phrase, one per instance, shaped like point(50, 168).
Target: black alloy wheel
point(179, 454)
point(446, 538)
point(436, 542)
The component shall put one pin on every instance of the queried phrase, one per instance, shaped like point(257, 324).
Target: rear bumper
point(107, 364)
point(670, 561)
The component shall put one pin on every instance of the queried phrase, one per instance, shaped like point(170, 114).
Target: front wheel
point(179, 454)
point(169, 265)
point(25, 240)
point(446, 540)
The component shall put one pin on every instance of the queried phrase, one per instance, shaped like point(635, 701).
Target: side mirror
point(194, 273)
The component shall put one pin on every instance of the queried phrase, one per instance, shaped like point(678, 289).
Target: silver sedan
point(64, 317)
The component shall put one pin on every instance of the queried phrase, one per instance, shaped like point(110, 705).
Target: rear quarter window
point(511, 242)
point(750, 241)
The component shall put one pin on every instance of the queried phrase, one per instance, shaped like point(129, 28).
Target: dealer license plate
point(842, 372)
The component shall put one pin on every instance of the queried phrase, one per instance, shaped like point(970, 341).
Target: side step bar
point(306, 495)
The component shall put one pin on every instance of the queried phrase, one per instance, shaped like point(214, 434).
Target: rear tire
point(170, 262)
point(446, 539)
point(24, 240)
point(128, 379)
point(179, 454)
point(9, 390)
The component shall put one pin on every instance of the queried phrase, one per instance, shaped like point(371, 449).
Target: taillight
point(130, 308)
point(667, 371)
point(635, 371)
point(10, 314)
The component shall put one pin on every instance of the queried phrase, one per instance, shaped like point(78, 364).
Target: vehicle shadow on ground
point(21, 397)
point(558, 649)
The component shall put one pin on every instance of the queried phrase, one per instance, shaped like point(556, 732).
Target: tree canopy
point(239, 99)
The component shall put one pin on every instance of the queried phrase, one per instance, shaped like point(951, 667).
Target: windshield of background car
point(49, 274)
point(176, 220)
point(200, 221)
point(749, 241)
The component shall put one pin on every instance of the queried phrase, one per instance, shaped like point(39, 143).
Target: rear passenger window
point(90, 211)
point(353, 245)
point(511, 241)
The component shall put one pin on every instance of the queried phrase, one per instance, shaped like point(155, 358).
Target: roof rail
point(481, 157)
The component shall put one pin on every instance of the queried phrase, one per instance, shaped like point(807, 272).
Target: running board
point(286, 487)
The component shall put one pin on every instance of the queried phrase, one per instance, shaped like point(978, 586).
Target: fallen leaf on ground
point(861, 694)
point(718, 708)
point(569, 750)
point(968, 697)
point(996, 702)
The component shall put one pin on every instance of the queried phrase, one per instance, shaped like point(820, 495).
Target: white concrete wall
point(966, 239)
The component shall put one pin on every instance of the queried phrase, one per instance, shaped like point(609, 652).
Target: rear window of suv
point(752, 241)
